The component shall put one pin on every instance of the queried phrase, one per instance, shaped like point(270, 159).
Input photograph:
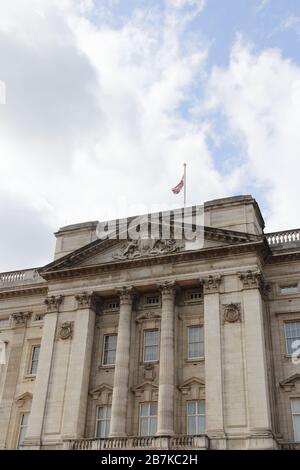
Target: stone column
point(81, 333)
point(165, 412)
point(121, 376)
point(256, 368)
point(213, 360)
point(36, 418)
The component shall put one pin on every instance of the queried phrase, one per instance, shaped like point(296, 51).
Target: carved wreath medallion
point(65, 330)
point(232, 313)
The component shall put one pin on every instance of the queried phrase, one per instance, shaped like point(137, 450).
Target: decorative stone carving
point(24, 399)
point(65, 330)
point(167, 287)
point(147, 391)
point(126, 294)
point(290, 383)
point(148, 247)
point(211, 284)
point(232, 313)
point(103, 394)
point(53, 302)
point(254, 280)
point(149, 372)
point(154, 315)
point(193, 388)
point(20, 318)
point(86, 300)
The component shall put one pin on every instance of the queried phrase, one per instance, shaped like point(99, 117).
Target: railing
point(15, 278)
point(290, 446)
point(152, 442)
point(286, 238)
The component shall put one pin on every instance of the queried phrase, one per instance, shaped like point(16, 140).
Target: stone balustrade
point(19, 278)
point(283, 239)
point(151, 442)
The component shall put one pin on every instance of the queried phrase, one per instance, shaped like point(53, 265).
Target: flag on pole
point(179, 186)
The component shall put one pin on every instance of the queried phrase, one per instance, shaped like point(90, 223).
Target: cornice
point(208, 253)
point(18, 292)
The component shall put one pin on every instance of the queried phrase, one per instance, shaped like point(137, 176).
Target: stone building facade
point(112, 346)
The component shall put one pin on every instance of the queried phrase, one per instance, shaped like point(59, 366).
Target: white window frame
point(150, 330)
point(295, 414)
point(286, 338)
point(190, 358)
point(31, 361)
point(196, 416)
point(105, 419)
point(147, 417)
point(21, 427)
point(104, 350)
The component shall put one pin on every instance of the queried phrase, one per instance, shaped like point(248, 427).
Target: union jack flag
point(179, 186)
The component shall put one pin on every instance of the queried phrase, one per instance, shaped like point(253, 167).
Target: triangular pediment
point(145, 386)
point(290, 383)
point(194, 381)
point(111, 251)
point(22, 399)
point(102, 389)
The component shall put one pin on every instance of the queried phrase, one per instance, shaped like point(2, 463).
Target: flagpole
point(184, 180)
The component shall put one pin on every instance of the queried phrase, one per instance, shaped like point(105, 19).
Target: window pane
point(296, 406)
point(153, 426)
point(153, 409)
point(201, 425)
point(24, 420)
point(191, 425)
point(296, 422)
point(145, 409)
point(201, 407)
point(191, 408)
point(143, 426)
point(100, 414)
point(109, 351)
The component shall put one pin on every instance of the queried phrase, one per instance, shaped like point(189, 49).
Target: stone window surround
point(194, 359)
point(283, 318)
point(31, 343)
point(105, 335)
point(187, 414)
point(96, 417)
point(154, 361)
point(105, 330)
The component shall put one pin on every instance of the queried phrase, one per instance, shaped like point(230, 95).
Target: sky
point(102, 101)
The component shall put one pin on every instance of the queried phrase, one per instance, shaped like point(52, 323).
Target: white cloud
point(93, 119)
point(259, 94)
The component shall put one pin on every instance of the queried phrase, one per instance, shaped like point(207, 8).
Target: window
point(292, 333)
point(22, 430)
point(4, 322)
point(195, 296)
point(109, 350)
point(292, 289)
point(35, 352)
point(196, 417)
point(195, 342)
point(296, 418)
point(113, 305)
point(103, 421)
point(148, 419)
point(150, 345)
point(152, 300)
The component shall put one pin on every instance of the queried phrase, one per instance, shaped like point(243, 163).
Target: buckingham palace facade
point(120, 344)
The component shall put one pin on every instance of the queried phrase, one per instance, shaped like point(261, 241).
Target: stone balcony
point(139, 443)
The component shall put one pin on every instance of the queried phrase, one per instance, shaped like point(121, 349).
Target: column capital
point(126, 294)
point(211, 284)
point(86, 300)
point(254, 280)
point(20, 318)
point(53, 303)
point(167, 288)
